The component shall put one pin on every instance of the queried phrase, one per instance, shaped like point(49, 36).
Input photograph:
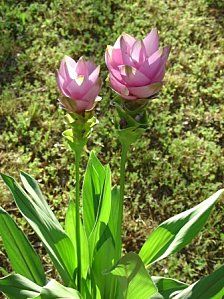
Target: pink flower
point(136, 67)
point(80, 84)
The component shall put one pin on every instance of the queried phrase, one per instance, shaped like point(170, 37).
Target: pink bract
point(79, 83)
point(136, 67)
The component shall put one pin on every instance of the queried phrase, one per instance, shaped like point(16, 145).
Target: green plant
point(87, 252)
point(104, 274)
point(181, 154)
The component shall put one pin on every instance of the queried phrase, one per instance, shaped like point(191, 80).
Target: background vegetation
point(178, 163)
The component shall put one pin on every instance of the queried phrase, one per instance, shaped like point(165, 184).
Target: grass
point(180, 160)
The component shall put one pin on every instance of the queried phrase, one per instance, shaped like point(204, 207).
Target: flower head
point(79, 83)
point(136, 67)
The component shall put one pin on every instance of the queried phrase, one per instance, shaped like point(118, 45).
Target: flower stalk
point(122, 172)
point(124, 152)
point(77, 206)
point(129, 131)
point(77, 136)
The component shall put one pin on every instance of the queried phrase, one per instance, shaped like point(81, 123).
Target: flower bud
point(79, 84)
point(136, 67)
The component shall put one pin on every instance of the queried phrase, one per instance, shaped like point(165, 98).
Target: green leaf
point(54, 290)
point(167, 286)
point(96, 200)
point(16, 286)
point(104, 209)
point(103, 260)
point(176, 232)
point(56, 241)
point(134, 280)
point(211, 287)
point(32, 188)
point(103, 214)
point(19, 287)
point(115, 221)
point(23, 258)
point(70, 228)
point(92, 189)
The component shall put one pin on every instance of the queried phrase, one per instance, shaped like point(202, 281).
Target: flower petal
point(146, 67)
point(60, 82)
point(155, 63)
point(160, 71)
point(94, 75)
point(67, 104)
point(151, 42)
point(113, 65)
point(81, 67)
point(75, 90)
point(117, 75)
point(120, 88)
point(125, 52)
point(62, 71)
point(90, 66)
point(138, 52)
point(117, 43)
point(132, 76)
point(129, 39)
point(147, 91)
point(113, 57)
point(69, 67)
point(92, 92)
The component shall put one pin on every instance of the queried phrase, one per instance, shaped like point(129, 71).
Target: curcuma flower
point(136, 67)
point(79, 83)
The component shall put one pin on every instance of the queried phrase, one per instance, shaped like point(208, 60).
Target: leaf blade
point(134, 279)
point(174, 233)
point(54, 290)
point(24, 259)
point(211, 286)
point(92, 189)
point(19, 287)
point(56, 241)
point(70, 228)
point(33, 189)
point(115, 221)
point(167, 286)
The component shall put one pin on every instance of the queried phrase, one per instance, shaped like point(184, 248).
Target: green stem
point(122, 174)
point(77, 205)
point(122, 185)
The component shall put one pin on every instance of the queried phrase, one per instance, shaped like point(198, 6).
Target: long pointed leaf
point(31, 186)
point(115, 221)
point(24, 259)
point(103, 260)
point(18, 287)
point(54, 290)
point(96, 200)
point(134, 279)
point(176, 232)
point(92, 190)
point(103, 213)
point(70, 228)
point(209, 287)
point(57, 243)
point(167, 286)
